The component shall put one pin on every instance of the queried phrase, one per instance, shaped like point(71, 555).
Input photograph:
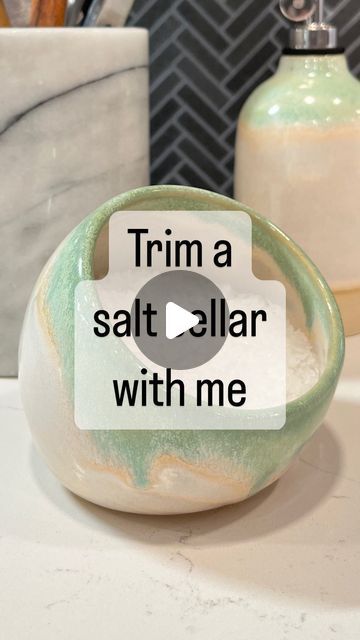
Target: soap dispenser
point(298, 152)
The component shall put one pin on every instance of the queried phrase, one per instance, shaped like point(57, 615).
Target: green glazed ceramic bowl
point(167, 471)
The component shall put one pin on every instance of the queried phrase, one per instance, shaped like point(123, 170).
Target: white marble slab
point(73, 133)
point(283, 565)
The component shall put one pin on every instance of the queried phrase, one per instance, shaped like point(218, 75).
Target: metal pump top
point(314, 33)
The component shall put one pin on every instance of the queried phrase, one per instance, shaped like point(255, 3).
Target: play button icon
point(183, 319)
point(178, 320)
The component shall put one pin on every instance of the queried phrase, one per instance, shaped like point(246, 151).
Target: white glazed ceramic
point(166, 471)
point(297, 162)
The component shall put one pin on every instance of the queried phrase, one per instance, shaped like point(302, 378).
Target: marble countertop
point(284, 564)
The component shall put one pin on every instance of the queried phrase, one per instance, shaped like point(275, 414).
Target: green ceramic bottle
point(298, 153)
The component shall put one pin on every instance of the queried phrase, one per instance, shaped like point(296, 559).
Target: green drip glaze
point(313, 90)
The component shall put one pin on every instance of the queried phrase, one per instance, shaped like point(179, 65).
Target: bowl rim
point(327, 381)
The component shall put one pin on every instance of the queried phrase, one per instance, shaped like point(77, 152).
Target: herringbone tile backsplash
point(206, 57)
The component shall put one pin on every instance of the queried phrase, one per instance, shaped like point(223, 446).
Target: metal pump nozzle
point(314, 33)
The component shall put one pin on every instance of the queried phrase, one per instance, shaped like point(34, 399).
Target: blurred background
point(206, 58)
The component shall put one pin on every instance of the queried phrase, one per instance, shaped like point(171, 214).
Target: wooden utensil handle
point(4, 20)
point(47, 13)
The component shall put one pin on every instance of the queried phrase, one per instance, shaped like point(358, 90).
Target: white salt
point(302, 366)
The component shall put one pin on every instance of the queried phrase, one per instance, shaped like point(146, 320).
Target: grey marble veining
point(73, 133)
